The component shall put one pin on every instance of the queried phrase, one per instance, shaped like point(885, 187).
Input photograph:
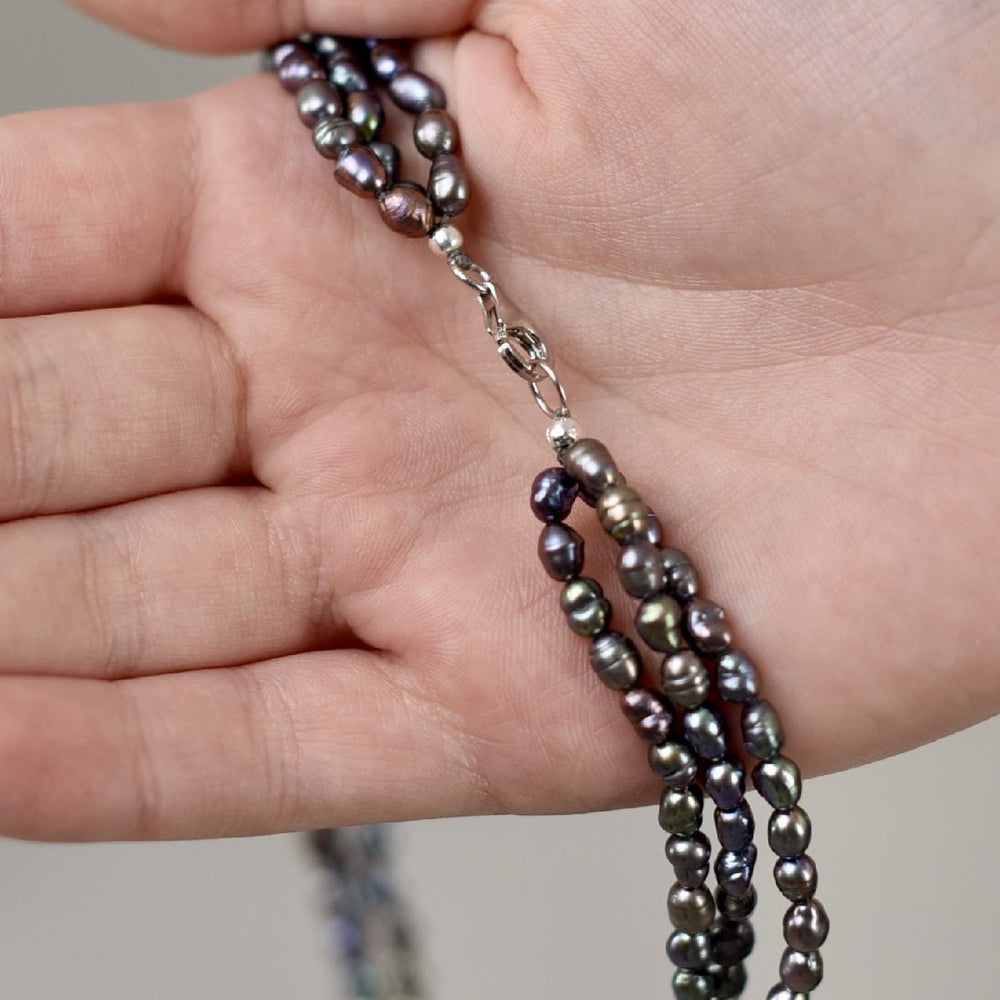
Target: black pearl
point(735, 827)
point(658, 622)
point(679, 574)
point(327, 46)
point(692, 878)
point(688, 852)
point(736, 908)
point(801, 971)
point(731, 942)
point(623, 514)
point(333, 136)
point(552, 495)
point(778, 780)
point(277, 54)
point(615, 659)
point(789, 833)
point(560, 549)
point(448, 184)
point(405, 209)
point(706, 627)
point(435, 132)
point(582, 600)
point(730, 981)
point(684, 679)
point(762, 732)
point(734, 870)
point(388, 59)
point(806, 926)
point(705, 730)
point(317, 99)
point(796, 878)
point(691, 910)
point(725, 781)
point(780, 992)
point(688, 985)
point(591, 465)
point(689, 951)
point(344, 72)
point(364, 111)
point(297, 70)
point(388, 153)
point(639, 569)
point(737, 676)
point(414, 92)
point(360, 171)
point(648, 714)
point(673, 763)
point(680, 810)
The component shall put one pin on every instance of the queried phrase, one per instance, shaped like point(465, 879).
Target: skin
point(266, 559)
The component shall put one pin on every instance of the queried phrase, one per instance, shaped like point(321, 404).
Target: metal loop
point(522, 349)
point(548, 372)
point(489, 303)
point(464, 267)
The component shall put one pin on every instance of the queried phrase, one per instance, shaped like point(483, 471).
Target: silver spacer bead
point(562, 432)
point(444, 239)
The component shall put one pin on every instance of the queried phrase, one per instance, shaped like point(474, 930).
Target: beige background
point(514, 908)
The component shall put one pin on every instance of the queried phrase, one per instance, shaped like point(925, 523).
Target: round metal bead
point(778, 780)
point(679, 574)
point(737, 676)
point(448, 184)
point(333, 136)
point(592, 466)
point(404, 208)
point(388, 153)
point(640, 569)
point(806, 926)
point(583, 602)
point(736, 908)
point(560, 549)
point(688, 985)
point(414, 92)
point(725, 781)
point(735, 827)
point(705, 730)
point(691, 910)
point(801, 971)
point(648, 714)
point(689, 951)
point(344, 73)
point(562, 432)
point(734, 870)
point(673, 763)
point(684, 679)
point(789, 833)
point(615, 660)
point(796, 878)
point(731, 942)
point(388, 59)
point(296, 70)
point(360, 171)
point(445, 239)
point(680, 810)
point(762, 732)
point(780, 992)
point(706, 627)
point(688, 852)
point(435, 132)
point(658, 621)
point(730, 981)
point(317, 99)
point(552, 495)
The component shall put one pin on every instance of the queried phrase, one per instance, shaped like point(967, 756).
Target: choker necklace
point(676, 707)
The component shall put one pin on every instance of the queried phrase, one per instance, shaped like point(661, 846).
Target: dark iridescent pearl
point(333, 136)
point(388, 59)
point(614, 658)
point(688, 852)
point(691, 910)
point(778, 780)
point(684, 679)
point(277, 54)
point(388, 153)
point(582, 600)
point(673, 763)
point(414, 92)
point(731, 942)
point(806, 926)
point(360, 171)
point(730, 981)
point(736, 908)
point(448, 185)
point(706, 627)
point(735, 827)
point(734, 870)
point(796, 878)
point(692, 878)
point(317, 99)
point(688, 985)
point(364, 111)
point(780, 992)
point(789, 832)
point(404, 207)
point(679, 574)
point(560, 549)
point(801, 971)
point(725, 781)
point(327, 45)
point(689, 951)
point(658, 621)
point(345, 73)
point(648, 713)
point(435, 132)
point(552, 495)
point(737, 676)
point(590, 463)
point(639, 569)
point(680, 810)
point(297, 70)
point(705, 730)
point(623, 514)
point(762, 732)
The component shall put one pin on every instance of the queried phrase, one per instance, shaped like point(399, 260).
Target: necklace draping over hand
point(676, 707)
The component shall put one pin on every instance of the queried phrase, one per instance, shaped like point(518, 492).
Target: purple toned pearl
point(552, 495)
point(448, 185)
point(388, 59)
point(414, 92)
point(360, 171)
point(560, 549)
point(405, 209)
point(317, 99)
point(297, 70)
point(277, 54)
point(734, 870)
point(344, 73)
point(648, 713)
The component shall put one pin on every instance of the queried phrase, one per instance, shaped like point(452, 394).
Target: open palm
point(268, 561)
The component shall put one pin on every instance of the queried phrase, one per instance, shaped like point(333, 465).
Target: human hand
point(287, 574)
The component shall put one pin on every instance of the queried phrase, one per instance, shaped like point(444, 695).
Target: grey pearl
point(692, 878)
point(640, 569)
point(789, 833)
point(726, 783)
point(688, 985)
point(388, 59)
point(623, 514)
point(706, 627)
point(801, 971)
point(414, 92)
point(779, 992)
point(364, 111)
point(796, 878)
point(734, 870)
point(806, 926)
point(277, 54)
point(736, 908)
point(679, 574)
point(560, 549)
point(680, 811)
point(735, 827)
point(648, 714)
point(583, 602)
point(297, 70)
point(333, 136)
point(388, 153)
point(689, 951)
point(737, 676)
point(684, 679)
point(674, 764)
point(591, 465)
point(691, 910)
point(705, 730)
point(688, 852)
point(435, 132)
point(448, 185)
point(342, 71)
point(658, 621)
point(778, 780)
point(730, 982)
point(731, 942)
point(615, 659)
point(317, 99)
point(327, 45)
point(360, 171)
point(762, 732)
